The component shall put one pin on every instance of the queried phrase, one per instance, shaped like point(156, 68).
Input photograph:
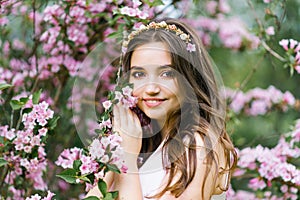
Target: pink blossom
point(270, 30)
point(118, 95)
point(128, 11)
point(104, 159)
point(191, 47)
point(105, 141)
point(3, 21)
point(284, 43)
point(107, 104)
point(96, 149)
point(256, 184)
point(258, 107)
point(34, 197)
point(293, 43)
point(49, 195)
point(68, 156)
point(127, 91)
point(43, 131)
point(211, 7)
point(142, 14)
point(136, 3)
point(289, 98)
point(97, 7)
point(223, 6)
point(297, 48)
point(297, 68)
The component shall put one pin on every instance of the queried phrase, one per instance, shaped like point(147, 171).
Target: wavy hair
point(203, 115)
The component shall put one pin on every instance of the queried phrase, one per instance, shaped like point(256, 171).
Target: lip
point(153, 102)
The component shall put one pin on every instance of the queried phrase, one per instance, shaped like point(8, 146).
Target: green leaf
point(69, 175)
point(77, 164)
point(102, 187)
point(114, 194)
point(292, 71)
point(108, 196)
point(85, 179)
point(3, 162)
point(154, 3)
point(16, 105)
point(36, 97)
point(115, 35)
point(113, 168)
point(4, 86)
point(53, 123)
point(91, 198)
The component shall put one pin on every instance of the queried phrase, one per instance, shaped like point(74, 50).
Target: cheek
point(137, 91)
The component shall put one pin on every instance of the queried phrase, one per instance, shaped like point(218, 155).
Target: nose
point(152, 88)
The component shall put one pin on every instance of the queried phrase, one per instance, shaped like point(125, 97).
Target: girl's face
point(155, 81)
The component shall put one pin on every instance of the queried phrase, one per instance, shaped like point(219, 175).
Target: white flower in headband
point(162, 25)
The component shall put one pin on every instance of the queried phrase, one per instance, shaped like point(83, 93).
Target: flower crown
point(162, 25)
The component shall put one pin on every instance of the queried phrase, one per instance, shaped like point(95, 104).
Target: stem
point(20, 119)
point(271, 51)
point(249, 76)
point(260, 25)
point(57, 94)
point(5, 172)
point(12, 119)
point(35, 50)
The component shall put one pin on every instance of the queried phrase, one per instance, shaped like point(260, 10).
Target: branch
point(271, 51)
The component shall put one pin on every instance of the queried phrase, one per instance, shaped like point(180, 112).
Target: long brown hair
point(203, 115)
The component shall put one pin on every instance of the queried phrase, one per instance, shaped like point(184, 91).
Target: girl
point(175, 142)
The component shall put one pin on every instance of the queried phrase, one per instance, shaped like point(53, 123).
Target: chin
point(157, 115)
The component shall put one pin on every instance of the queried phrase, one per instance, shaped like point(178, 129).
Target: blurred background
point(44, 43)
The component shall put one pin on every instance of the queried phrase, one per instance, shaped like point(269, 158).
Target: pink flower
point(284, 43)
point(297, 68)
point(293, 43)
point(34, 197)
point(107, 104)
point(270, 30)
point(49, 196)
point(118, 95)
point(256, 184)
point(211, 7)
point(84, 169)
point(106, 123)
point(96, 149)
point(191, 47)
point(104, 159)
point(136, 3)
point(284, 188)
point(43, 131)
point(289, 98)
point(128, 11)
point(142, 14)
point(258, 107)
point(127, 91)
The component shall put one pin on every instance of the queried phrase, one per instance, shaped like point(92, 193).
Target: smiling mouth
point(153, 102)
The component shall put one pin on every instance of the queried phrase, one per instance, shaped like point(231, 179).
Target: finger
point(116, 118)
point(123, 116)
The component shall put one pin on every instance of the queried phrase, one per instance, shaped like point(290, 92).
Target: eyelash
point(170, 73)
point(164, 74)
point(137, 74)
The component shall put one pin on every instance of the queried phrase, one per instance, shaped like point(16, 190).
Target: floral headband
point(161, 25)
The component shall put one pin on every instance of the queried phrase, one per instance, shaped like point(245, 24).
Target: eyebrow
point(160, 67)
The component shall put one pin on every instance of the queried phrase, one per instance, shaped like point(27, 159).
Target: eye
point(168, 74)
point(137, 74)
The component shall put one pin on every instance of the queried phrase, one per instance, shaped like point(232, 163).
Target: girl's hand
point(129, 127)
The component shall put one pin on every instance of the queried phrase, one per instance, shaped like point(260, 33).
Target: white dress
point(152, 174)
